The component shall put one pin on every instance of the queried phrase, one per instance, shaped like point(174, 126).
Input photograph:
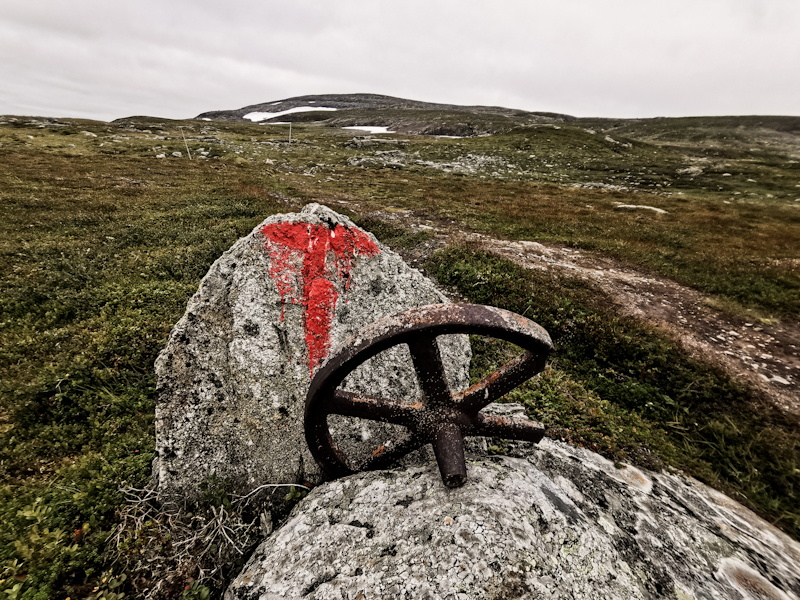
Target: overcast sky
point(104, 59)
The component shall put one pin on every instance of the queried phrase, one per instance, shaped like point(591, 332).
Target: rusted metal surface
point(443, 418)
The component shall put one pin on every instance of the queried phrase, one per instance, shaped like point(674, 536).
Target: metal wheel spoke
point(499, 383)
point(430, 370)
point(349, 404)
point(384, 456)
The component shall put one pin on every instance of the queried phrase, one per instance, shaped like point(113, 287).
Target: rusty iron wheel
point(442, 418)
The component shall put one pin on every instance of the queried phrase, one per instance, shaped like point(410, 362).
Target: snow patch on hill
point(263, 116)
point(370, 128)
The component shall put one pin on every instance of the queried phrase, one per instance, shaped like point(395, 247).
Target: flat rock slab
point(233, 377)
point(558, 523)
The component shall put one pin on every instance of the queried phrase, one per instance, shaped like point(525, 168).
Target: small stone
point(660, 211)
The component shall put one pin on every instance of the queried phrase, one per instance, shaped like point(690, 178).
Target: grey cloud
point(588, 57)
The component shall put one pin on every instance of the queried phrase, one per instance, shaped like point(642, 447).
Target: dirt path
point(765, 357)
point(762, 356)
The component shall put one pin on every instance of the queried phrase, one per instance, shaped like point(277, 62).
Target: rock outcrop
point(233, 377)
point(554, 522)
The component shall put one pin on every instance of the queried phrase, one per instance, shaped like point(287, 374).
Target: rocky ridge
point(367, 102)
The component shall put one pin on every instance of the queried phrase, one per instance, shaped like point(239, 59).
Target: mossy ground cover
point(103, 243)
point(99, 257)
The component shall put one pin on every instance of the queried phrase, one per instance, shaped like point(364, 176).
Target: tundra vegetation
point(103, 243)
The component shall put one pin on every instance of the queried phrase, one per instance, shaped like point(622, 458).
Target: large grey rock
point(558, 523)
point(233, 377)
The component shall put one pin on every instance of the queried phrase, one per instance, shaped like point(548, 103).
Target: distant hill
point(397, 114)
point(428, 118)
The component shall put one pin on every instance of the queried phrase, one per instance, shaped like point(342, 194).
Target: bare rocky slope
point(401, 115)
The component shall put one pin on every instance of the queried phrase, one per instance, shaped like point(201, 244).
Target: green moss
point(99, 259)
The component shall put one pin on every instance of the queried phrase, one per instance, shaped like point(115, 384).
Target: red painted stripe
point(301, 251)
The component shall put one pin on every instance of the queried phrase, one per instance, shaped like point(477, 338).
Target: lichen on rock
point(554, 522)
